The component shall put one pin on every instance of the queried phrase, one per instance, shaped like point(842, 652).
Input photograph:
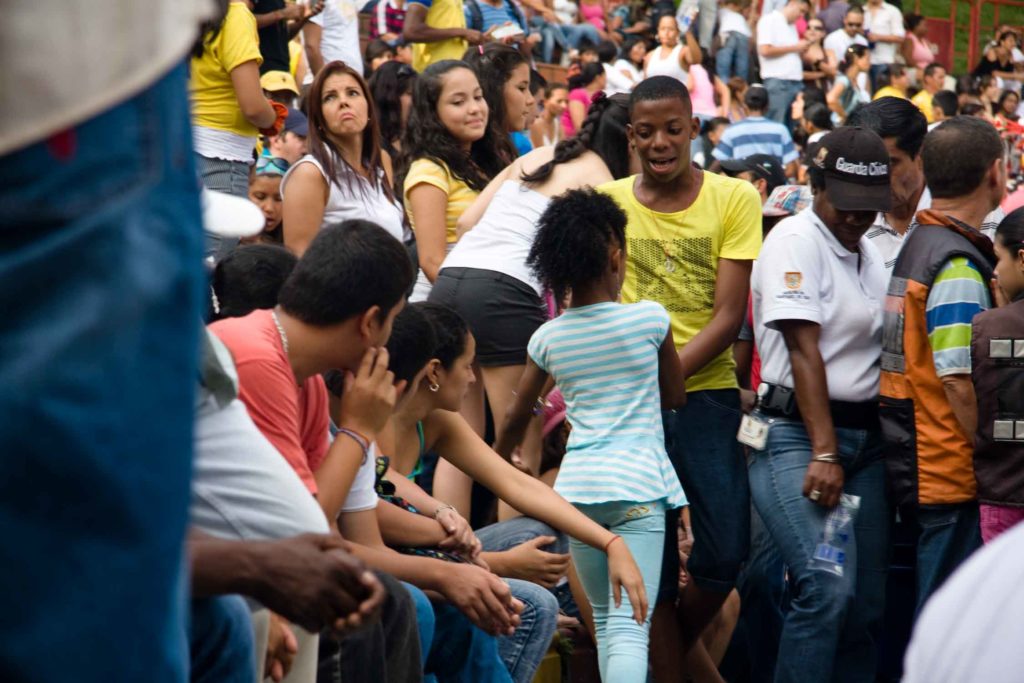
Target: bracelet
point(442, 508)
point(538, 406)
point(830, 458)
point(363, 442)
point(609, 543)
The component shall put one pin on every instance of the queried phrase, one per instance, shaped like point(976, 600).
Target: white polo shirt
point(774, 30)
point(804, 273)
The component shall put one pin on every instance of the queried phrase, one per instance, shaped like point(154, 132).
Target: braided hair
point(603, 132)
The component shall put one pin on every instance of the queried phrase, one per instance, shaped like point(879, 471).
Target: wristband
point(830, 458)
point(442, 508)
point(363, 442)
point(609, 543)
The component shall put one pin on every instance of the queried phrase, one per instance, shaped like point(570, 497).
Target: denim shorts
point(701, 441)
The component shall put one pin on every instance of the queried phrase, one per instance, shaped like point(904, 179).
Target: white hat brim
point(226, 215)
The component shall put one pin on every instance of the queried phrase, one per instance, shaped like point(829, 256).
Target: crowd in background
point(667, 357)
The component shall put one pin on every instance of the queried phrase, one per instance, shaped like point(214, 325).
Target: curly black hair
point(493, 64)
point(603, 131)
point(426, 137)
point(388, 83)
point(450, 329)
point(250, 278)
point(573, 237)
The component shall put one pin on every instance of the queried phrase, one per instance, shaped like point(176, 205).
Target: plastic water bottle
point(831, 552)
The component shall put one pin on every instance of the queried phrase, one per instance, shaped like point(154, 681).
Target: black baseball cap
point(763, 166)
point(856, 167)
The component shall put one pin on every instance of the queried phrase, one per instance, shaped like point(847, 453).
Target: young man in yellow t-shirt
point(437, 30)
point(691, 240)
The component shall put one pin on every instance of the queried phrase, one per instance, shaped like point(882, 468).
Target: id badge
point(753, 432)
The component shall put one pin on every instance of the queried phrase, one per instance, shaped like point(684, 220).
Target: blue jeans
point(701, 442)
point(462, 653)
point(949, 534)
point(831, 631)
point(621, 642)
point(100, 258)
point(566, 36)
point(781, 94)
point(221, 645)
point(424, 620)
point(506, 535)
point(733, 58)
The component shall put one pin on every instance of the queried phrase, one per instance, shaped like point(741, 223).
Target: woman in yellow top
point(228, 106)
point(451, 154)
point(893, 81)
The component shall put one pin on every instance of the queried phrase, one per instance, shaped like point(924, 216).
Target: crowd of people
point(350, 347)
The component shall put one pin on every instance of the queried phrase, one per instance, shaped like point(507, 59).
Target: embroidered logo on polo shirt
point(794, 280)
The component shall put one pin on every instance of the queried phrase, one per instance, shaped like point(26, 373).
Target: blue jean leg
point(221, 644)
point(100, 257)
point(551, 34)
point(733, 58)
point(424, 619)
point(831, 629)
point(462, 653)
point(781, 94)
point(523, 651)
point(949, 534)
point(701, 442)
point(577, 33)
point(622, 644)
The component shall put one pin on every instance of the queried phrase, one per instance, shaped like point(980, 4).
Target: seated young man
point(335, 312)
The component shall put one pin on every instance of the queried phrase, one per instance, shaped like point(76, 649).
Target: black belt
point(778, 401)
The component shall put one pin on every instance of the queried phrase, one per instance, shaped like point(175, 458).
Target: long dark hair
point(388, 83)
point(426, 136)
point(603, 132)
point(586, 76)
point(323, 149)
point(493, 64)
point(209, 29)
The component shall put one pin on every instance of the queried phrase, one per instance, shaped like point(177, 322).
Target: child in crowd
point(616, 366)
point(265, 192)
point(452, 153)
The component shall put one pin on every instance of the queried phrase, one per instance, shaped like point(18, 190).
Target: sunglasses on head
point(815, 27)
point(271, 166)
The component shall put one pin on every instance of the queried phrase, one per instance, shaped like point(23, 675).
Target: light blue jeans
point(781, 93)
point(832, 630)
point(621, 642)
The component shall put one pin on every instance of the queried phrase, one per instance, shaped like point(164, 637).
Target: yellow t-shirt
point(889, 91)
point(460, 195)
point(672, 258)
point(923, 100)
point(214, 103)
point(440, 14)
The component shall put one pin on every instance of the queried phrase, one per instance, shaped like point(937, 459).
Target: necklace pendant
point(670, 267)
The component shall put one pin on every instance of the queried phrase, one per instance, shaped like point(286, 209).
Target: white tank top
point(669, 66)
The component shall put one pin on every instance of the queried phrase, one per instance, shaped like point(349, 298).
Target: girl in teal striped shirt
point(617, 367)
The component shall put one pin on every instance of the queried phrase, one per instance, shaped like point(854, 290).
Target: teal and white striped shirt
point(604, 358)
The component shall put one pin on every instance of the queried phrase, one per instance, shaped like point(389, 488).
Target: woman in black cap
point(818, 288)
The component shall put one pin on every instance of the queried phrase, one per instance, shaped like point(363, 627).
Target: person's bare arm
point(577, 113)
point(692, 53)
point(732, 287)
point(400, 527)
point(472, 215)
point(309, 11)
point(428, 206)
point(311, 36)
point(832, 99)
point(811, 386)
point(960, 392)
point(520, 412)
point(304, 202)
point(245, 79)
point(671, 379)
point(416, 29)
point(724, 96)
point(290, 12)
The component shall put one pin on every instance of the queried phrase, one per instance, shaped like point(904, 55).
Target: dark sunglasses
point(849, 25)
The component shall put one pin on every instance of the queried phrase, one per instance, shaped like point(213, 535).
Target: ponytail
point(571, 148)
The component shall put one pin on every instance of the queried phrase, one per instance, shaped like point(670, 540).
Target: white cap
point(226, 215)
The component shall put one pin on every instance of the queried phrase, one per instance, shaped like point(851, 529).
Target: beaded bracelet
point(363, 442)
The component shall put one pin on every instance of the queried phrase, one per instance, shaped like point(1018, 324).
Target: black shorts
point(501, 311)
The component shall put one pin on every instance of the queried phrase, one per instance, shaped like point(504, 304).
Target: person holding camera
point(818, 291)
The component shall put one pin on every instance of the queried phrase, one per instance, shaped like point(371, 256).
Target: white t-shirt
point(971, 628)
point(566, 11)
point(626, 65)
point(502, 239)
point(839, 41)
point(732, 22)
point(350, 196)
point(774, 30)
point(804, 273)
point(886, 21)
point(340, 36)
point(617, 82)
point(97, 54)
